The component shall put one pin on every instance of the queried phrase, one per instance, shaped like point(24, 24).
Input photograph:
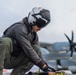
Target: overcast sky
point(63, 17)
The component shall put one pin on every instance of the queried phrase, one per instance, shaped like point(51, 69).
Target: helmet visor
point(41, 23)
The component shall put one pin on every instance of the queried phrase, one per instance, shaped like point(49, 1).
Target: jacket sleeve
point(22, 38)
point(36, 46)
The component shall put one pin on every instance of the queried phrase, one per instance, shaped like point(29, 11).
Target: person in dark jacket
point(19, 45)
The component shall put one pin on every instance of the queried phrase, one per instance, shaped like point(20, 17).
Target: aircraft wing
point(56, 47)
point(64, 56)
point(45, 45)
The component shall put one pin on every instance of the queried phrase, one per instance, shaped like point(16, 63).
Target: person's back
point(10, 32)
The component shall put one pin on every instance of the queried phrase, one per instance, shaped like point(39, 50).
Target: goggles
point(41, 23)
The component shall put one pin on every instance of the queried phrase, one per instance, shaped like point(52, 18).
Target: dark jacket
point(23, 39)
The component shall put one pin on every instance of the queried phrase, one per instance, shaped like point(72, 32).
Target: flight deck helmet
point(39, 16)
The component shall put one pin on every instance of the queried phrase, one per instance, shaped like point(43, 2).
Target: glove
point(48, 69)
point(44, 66)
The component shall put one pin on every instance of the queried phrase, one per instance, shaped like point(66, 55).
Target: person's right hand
point(47, 68)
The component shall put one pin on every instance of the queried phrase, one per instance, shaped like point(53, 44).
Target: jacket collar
point(25, 21)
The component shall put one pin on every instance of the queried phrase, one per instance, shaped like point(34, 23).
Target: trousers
point(20, 64)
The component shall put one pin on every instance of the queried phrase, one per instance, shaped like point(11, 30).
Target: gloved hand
point(44, 66)
point(48, 69)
